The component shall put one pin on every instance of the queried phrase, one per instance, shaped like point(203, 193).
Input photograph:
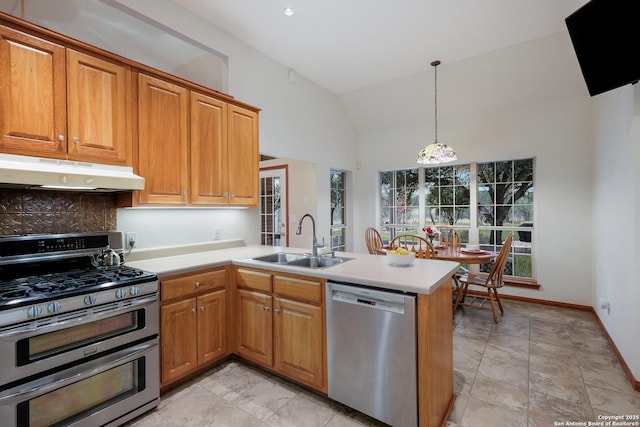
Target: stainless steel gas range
point(78, 333)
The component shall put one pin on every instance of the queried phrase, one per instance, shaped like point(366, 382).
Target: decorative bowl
point(401, 260)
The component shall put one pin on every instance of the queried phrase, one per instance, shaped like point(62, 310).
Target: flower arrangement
point(430, 232)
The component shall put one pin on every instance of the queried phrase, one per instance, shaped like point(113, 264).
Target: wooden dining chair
point(374, 241)
point(489, 284)
point(449, 237)
point(413, 243)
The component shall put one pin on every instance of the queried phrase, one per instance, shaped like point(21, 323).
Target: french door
point(273, 206)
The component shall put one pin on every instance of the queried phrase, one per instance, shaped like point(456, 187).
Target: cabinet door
point(178, 339)
point(299, 337)
point(99, 109)
point(254, 329)
point(33, 115)
point(243, 156)
point(163, 141)
point(212, 326)
point(209, 173)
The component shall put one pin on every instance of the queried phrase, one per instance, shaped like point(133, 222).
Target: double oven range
point(78, 333)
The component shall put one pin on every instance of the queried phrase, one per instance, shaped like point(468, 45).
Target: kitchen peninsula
point(233, 271)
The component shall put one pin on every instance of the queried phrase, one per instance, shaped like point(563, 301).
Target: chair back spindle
point(413, 243)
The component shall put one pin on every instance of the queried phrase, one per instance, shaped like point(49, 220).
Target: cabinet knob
point(60, 138)
point(233, 194)
point(76, 139)
point(193, 310)
point(266, 308)
point(202, 308)
point(276, 311)
point(197, 284)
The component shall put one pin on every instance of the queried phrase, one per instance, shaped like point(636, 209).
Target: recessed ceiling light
point(288, 11)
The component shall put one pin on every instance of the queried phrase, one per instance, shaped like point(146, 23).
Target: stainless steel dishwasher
point(371, 351)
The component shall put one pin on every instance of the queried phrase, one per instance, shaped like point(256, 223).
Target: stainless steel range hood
point(24, 172)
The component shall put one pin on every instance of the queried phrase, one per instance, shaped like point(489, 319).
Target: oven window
point(79, 399)
point(38, 347)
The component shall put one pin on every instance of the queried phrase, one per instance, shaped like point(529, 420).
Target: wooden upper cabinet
point(99, 109)
point(163, 141)
point(209, 173)
point(243, 156)
point(33, 118)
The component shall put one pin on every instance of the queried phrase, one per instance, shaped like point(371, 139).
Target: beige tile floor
point(539, 366)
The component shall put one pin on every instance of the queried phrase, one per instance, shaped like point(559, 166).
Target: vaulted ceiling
point(344, 46)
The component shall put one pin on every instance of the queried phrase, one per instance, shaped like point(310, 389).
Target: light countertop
point(423, 276)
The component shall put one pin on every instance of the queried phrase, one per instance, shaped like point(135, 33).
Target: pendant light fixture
point(437, 152)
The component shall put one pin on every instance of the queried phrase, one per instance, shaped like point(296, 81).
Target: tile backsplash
point(40, 211)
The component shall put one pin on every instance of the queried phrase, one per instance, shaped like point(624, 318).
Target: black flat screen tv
point(606, 38)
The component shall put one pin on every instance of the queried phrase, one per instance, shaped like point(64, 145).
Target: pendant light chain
point(435, 97)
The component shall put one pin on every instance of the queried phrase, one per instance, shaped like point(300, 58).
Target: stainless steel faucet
point(314, 243)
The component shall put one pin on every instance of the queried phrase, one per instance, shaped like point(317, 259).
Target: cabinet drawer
point(192, 284)
point(253, 279)
point(308, 290)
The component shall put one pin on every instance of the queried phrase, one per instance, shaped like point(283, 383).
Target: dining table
point(462, 255)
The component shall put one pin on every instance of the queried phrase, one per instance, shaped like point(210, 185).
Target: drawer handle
point(197, 284)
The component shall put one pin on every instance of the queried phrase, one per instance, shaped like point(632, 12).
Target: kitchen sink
point(318, 262)
point(280, 257)
point(300, 260)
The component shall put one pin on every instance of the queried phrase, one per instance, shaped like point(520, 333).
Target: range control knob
point(134, 290)
point(53, 307)
point(121, 293)
point(34, 311)
point(89, 299)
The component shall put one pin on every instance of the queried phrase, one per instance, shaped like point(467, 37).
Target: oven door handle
point(77, 373)
point(87, 316)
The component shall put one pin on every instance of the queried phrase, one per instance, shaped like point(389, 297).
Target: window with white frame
point(483, 201)
point(447, 198)
point(338, 210)
point(505, 205)
point(400, 202)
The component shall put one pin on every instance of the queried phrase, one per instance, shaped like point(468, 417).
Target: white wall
point(553, 129)
point(616, 206)
point(174, 226)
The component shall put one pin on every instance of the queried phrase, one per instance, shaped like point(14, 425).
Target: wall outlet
point(131, 239)
point(217, 233)
point(604, 305)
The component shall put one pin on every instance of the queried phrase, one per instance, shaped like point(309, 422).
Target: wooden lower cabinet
point(298, 338)
point(284, 329)
point(193, 325)
point(178, 339)
point(212, 326)
point(255, 327)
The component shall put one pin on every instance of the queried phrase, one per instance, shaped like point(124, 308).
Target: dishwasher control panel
point(374, 303)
